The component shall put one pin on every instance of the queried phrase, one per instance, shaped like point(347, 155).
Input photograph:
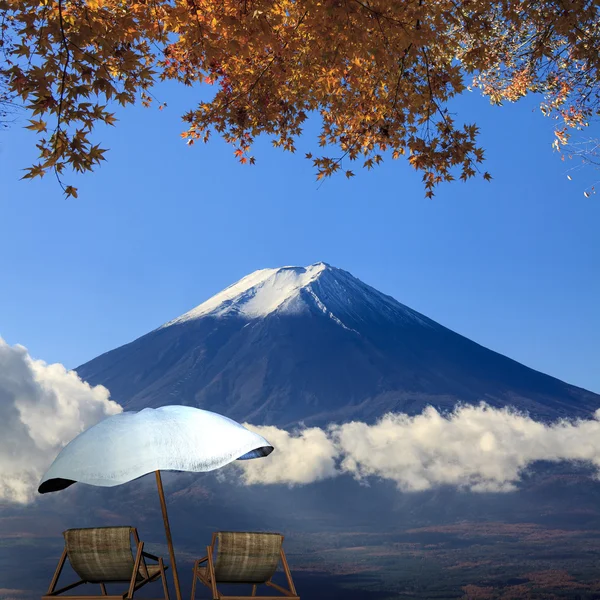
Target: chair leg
point(194, 582)
point(103, 588)
point(164, 578)
point(288, 575)
point(57, 573)
point(254, 590)
point(211, 570)
point(136, 569)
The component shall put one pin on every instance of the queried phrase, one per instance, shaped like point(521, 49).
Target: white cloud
point(42, 408)
point(297, 459)
point(476, 447)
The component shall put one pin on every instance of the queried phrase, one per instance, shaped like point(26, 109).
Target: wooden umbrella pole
point(163, 505)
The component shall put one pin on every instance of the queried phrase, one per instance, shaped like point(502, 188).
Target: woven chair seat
point(104, 555)
point(243, 557)
point(246, 557)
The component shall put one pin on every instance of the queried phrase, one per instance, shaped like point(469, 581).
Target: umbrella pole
point(161, 493)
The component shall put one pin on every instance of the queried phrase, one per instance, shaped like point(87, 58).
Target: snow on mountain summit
point(288, 290)
point(257, 294)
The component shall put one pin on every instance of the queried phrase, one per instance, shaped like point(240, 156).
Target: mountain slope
point(317, 345)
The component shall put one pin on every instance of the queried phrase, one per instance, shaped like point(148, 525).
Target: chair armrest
point(66, 588)
point(200, 561)
point(148, 555)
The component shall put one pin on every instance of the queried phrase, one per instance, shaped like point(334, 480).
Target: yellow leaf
point(35, 171)
point(38, 126)
point(71, 191)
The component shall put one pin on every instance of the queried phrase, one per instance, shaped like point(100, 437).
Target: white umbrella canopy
point(129, 445)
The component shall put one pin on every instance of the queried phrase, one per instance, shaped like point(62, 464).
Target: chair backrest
point(100, 554)
point(246, 557)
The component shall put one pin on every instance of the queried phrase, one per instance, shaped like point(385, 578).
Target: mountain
point(315, 345)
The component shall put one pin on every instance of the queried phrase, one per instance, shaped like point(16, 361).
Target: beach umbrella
point(129, 445)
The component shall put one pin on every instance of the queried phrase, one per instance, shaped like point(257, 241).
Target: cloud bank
point(42, 408)
point(478, 448)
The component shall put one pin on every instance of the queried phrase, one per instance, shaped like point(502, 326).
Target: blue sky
point(513, 264)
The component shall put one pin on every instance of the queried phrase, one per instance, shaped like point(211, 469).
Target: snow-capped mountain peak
point(292, 290)
point(258, 294)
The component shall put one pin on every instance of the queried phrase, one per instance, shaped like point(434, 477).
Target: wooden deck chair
point(103, 555)
point(243, 557)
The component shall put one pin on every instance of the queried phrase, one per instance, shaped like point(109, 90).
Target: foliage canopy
point(380, 73)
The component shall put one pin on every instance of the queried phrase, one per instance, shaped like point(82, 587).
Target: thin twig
point(57, 131)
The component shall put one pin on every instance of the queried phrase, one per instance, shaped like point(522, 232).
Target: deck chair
point(103, 555)
point(243, 557)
